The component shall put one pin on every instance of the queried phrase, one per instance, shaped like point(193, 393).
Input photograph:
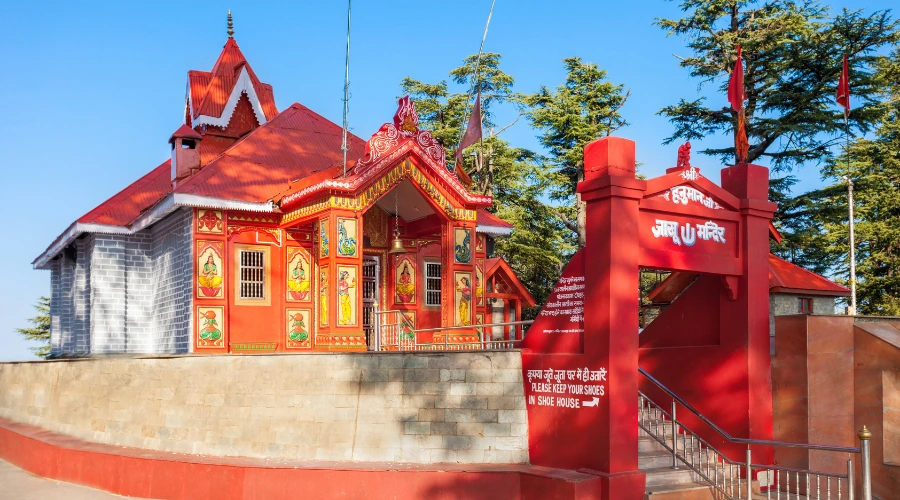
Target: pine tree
point(515, 177)
point(583, 109)
point(792, 55)
point(40, 330)
point(819, 219)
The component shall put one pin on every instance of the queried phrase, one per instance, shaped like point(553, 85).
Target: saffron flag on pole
point(843, 89)
point(472, 135)
point(736, 98)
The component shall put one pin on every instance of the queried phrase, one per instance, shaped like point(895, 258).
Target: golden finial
point(230, 25)
point(865, 433)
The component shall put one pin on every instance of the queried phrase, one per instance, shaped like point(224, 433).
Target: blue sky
point(94, 90)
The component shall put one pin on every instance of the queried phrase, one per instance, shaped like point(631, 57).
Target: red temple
point(286, 251)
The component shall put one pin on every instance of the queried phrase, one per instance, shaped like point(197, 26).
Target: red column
point(747, 327)
point(612, 194)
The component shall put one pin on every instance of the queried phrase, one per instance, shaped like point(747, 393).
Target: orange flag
point(736, 98)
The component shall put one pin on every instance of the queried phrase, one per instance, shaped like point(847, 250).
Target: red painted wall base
point(152, 474)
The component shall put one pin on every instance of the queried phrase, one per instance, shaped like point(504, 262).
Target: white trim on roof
point(158, 211)
point(493, 230)
point(243, 85)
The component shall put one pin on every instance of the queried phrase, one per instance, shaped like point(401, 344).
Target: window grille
point(804, 306)
point(253, 275)
point(432, 284)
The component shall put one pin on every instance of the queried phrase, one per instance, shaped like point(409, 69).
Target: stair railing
point(724, 474)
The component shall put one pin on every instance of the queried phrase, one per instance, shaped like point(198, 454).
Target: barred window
point(253, 275)
point(432, 283)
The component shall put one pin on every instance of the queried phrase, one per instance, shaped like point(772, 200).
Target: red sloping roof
point(294, 145)
point(222, 80)
point(185, 132)
point(498, 264)
point(485, 218)
point(197, 83)
point(784, 276)
point(126, 205)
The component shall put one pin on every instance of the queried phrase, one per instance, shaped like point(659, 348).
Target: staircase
point(666, 483)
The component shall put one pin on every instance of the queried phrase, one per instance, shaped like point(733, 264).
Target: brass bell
point(397, 245)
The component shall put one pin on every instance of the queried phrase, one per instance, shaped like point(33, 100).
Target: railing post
point(377, 329)
point(750, 476)
point(850, 479)
point(674, 437)
point(866, 471)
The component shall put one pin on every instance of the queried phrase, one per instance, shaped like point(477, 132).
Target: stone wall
point(172, 283)
point(405, 407)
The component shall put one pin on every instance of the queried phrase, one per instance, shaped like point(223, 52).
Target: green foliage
point(792, 54)
point(577, 112)
point(819, 219)
point(40, 329)
point(539, 246)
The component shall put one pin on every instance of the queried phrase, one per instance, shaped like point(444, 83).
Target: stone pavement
point(20, 485)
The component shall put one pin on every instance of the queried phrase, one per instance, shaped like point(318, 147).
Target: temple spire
point(230, 25)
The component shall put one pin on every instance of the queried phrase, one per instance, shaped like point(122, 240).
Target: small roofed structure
point(506, 297)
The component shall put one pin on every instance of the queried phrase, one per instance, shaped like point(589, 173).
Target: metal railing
point(724, 474)
point(394, 332)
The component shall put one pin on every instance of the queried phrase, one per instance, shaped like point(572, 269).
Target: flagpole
point(475, 82)
point(849, 178)
point(344, 147)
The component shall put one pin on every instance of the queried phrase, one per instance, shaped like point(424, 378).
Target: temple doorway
point(371, 287)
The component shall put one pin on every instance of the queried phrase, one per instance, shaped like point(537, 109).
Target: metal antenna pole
point(344, 147)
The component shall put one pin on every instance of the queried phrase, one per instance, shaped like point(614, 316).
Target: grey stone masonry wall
point(172, 283)
point(783, 304)
point(120, 293)
point(56, 308)
point(81, 294)
point(461, 407)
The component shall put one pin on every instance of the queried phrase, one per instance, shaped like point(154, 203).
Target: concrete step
point(654, 459)
point(690, 491)
point(661, 476)
point(649, 444)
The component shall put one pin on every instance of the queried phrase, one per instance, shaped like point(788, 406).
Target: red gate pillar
point(745, 326)
point(612, 194)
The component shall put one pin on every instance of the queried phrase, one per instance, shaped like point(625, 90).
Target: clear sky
point(92, 91)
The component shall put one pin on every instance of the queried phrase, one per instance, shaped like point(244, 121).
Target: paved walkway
point(21, 485)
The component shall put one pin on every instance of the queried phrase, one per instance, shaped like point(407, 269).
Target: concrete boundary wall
point(465, 407)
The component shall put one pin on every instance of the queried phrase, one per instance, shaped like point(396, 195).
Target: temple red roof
point(787, 277)
point(784, 277)
point(126, 205)
point(209, 92)
point(294, 145)
point(485, 218)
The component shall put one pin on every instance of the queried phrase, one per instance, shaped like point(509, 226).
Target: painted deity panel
point(479, 243)
point(210, 327)
point(463, 302)
point(323, 238)
point(210, 271)
point(479, 282)
point(297, 333)
point(346, 294)
point(462, 249)
point(408, 325)
point(479, 319)
point(323, 296)
point(375, 226)
point(348, 236)
point(210, 222)
point(404, 279)
point(299, 274)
